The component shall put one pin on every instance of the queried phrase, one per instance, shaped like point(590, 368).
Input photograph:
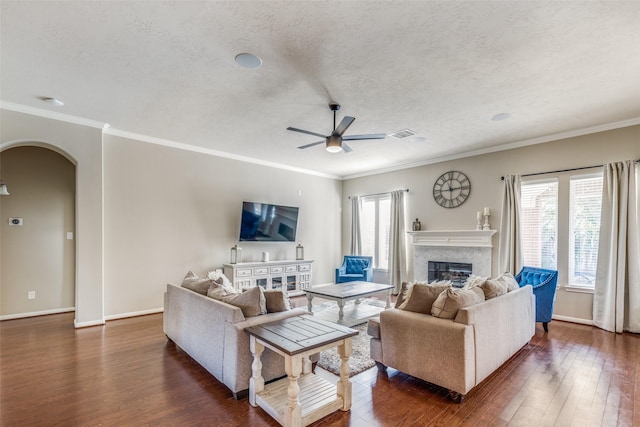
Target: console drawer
point(260, 271)
point(276, 270)
point(243, 272)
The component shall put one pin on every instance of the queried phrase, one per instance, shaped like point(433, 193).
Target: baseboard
point(37, 313)
point(79, 325)
point(573, 320)
point(134, 314)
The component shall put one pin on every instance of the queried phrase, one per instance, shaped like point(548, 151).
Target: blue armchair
point(544, 284)
point(355, 268)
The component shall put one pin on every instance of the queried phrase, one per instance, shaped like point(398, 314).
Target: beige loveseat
point(458, 353)
point(212, 333)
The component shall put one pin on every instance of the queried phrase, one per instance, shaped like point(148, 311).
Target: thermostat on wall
point(15, 221)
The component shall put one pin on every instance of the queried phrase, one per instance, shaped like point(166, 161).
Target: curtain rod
point(380, 194)
point(563, 170)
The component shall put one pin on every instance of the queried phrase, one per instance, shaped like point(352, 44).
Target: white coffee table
point(343, 292)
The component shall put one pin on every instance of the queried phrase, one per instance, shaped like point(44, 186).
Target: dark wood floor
point(126, 374)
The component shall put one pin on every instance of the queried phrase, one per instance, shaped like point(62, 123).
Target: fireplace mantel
point(454, 238)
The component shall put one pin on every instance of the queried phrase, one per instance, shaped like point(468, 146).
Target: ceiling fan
point(335, 142)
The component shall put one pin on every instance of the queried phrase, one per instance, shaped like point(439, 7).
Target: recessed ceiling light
point(500, 116)
point(54, 101)
point(248, 60)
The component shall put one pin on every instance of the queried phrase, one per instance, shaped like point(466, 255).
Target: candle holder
point(479, 224)
point(236, 254)
point(299, 251)
point(486, 225)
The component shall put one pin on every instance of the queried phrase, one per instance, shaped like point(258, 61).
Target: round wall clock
point(451, 189)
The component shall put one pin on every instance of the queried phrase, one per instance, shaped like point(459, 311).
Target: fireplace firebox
point(457, 272)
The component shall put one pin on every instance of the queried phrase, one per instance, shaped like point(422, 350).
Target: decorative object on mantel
point(299, 251)
point(236, 254)
point(451, 189)
point(479, 219)
point(486, 225)
point(416, 225)
point(265, 256)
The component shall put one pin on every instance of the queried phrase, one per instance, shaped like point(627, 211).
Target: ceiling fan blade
point(312, 144)
point(307, 132)
point(344, 124)
point(346, 148)
point(370, 136)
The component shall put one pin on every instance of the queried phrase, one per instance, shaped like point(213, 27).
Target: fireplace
point(457, 272)
point(472, 247)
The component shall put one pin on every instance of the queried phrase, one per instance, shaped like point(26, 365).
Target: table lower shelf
point(317, 398)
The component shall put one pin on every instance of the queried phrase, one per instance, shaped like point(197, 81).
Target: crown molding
point(526, 142)
point(211, 152)
point(54, 115)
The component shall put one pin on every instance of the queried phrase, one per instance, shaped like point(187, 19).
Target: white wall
point(486, 190)
point(168, 211)
point(37, 256)
point(82, 145)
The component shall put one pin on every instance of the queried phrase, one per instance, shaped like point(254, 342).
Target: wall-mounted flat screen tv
point(262, 222)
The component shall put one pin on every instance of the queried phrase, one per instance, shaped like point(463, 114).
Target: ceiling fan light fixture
point(334, 144)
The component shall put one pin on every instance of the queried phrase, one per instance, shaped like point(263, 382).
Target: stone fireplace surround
point(464, 246)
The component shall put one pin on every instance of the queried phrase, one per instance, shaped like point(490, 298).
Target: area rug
point(359, 360)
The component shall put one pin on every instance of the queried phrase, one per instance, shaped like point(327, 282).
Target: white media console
point(292, 276)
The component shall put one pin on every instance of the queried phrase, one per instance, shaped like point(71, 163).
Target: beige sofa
point(459, 353)
point(212, 333)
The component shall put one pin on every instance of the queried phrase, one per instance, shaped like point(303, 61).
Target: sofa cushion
point(197, 284)
point(448, 303)
point(421, 296)
point(252, 302)
point(276, 301)
point(473, 281)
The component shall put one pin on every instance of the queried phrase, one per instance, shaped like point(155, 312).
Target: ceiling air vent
point(403, 133)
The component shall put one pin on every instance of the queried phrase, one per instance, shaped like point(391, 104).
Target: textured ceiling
point(443, 69)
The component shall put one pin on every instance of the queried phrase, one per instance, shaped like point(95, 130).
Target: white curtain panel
point(397, 241)
point(355, 245)
point(510, 249)
point(616, 299)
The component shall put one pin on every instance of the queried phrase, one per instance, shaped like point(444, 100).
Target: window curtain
point(355, 246)
point(397, 241)
point(616, 298)
point(510, 249)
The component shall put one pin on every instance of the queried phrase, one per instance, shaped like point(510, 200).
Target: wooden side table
point(302, 398)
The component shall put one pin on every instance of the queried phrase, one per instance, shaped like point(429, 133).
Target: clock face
point(451, 189)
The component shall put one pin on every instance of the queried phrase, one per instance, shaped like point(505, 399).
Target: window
point(562, 233)
point(375, 221)
point(539, 219)
point(584, 229)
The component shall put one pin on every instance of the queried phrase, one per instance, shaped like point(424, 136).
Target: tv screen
point(268, 223)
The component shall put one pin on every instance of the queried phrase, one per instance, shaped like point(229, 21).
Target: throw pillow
point(420, 297)
point(473, 281)
point(276, 301)
point(197, 284)
point(402, 295)
point(511, 282)
point(252, 302)
point(493, 288)
point(448, 303)
point(222, 280)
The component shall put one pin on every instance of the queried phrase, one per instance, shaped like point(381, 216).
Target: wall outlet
point(31, 295)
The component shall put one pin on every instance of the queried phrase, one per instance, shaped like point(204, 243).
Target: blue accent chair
point(355, 268)
point(544, 284)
